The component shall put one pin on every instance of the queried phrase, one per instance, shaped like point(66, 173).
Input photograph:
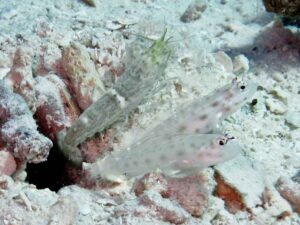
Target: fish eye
point(221, 142)
point(242, 85)
point(225, 139)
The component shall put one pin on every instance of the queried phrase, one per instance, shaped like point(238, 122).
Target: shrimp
point(145, 67)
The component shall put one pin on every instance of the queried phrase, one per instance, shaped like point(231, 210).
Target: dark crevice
point(49, 174)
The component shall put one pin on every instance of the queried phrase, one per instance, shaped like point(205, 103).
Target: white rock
point(222, 58)
point(280, 94)
point(240, 174)
point(240, 64)
point(278, 77)
point(293, 118)
point(275, 106)
point(85, 210)
point(295, 135)
point(112, 25)
point(274, 207)
point(3, 72)
point(8, 13)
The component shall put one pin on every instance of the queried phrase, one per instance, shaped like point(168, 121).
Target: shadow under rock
point(50, 174)
point(276, 48)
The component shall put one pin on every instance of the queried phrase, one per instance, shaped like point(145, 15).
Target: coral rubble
point(19, 130)
point(20, 76)
point(81, 75)
point(194, 11)
point(56, 109)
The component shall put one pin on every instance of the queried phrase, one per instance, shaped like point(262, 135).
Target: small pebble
point(113, 25)
point(280, 94)
point(222, 58)
point(7, 163)
point(293, 119)
point(240, 64)
point(8, 13)
point(90, 3)
point(85, 210)
point(275, 106)
point(194, 11)
point(278, 77)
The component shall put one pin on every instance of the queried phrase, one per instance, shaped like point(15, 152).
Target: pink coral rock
point(162, 208)
point(190, 192)
point(232, 198)
point(20, 76)
point(81, 76)
point(94, 147)
point(18, 130)
point(290, 190)
point(154, 181)
point(7, 163)
point(55, 108)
